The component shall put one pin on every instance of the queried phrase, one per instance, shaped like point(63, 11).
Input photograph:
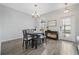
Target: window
point(66, 27)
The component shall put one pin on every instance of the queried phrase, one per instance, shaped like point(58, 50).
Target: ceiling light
point(66, 8)
point(35, 13)
point(66, 11)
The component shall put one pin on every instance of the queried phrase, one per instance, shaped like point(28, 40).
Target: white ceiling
point(29, 7)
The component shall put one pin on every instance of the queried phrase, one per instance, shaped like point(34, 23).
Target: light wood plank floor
point(52, 47)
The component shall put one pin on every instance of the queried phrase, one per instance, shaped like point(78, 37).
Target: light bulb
point(66, 11)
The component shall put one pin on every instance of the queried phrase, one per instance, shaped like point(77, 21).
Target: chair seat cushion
point(41, 36)
point(29, 38)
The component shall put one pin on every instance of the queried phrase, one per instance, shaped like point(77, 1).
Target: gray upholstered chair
point(27, 38)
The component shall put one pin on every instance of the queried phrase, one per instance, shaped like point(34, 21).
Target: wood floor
point(52, 47)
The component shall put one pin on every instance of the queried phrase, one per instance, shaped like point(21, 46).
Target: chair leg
point(32, 43)
point(35, 44)
point(23, 44)
point(26, 43)
point(43, 40)
point(29, 42)
point(39, 40)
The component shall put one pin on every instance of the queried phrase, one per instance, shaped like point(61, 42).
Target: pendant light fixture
point(66, 8)
point(35, 13)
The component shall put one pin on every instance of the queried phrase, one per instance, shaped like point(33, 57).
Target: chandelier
point(35, 13)
point(66, 8)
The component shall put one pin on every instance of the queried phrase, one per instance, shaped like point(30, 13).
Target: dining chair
point(40, 34)
point(41, 37)
point(27, 38)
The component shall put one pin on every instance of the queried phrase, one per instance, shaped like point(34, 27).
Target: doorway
point(67, 26)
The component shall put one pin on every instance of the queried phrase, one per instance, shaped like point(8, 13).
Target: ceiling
point(29, 7)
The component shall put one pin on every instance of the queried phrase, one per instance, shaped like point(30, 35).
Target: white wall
point(0, 37)
point(77, 20)
point(77, 25)
point(13, 22)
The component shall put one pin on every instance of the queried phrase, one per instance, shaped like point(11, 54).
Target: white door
point(67, 29)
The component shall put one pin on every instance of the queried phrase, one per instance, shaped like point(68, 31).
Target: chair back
point(30, 30)
point(24, 33)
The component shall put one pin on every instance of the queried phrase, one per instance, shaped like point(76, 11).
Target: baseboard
point(10, 40)
point(67, 40)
